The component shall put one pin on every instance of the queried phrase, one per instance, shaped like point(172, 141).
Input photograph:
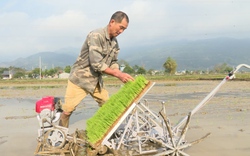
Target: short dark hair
point(118, 16)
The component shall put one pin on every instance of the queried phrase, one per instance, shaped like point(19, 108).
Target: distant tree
point(152, 72)
point(34, 73)
point(128, 69)
point(52, 72)
point(67, 69)
point(141, 70)
point(170, 65)
point(222, 68)
point(16, 69)
point(3, 69)
point(19, 74)
point(136, 67)
point(31, 75)
point(123, 62)
point(45, 72)
point(58, 69)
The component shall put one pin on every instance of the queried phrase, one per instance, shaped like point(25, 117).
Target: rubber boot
point(64, 120)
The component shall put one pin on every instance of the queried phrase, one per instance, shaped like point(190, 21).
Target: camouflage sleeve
point(96, 53)
point(114, 63)
point(114, 66)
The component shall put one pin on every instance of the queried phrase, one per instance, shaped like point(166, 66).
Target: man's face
point(117, 28)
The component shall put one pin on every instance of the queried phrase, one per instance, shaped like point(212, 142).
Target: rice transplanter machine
point(138, 131)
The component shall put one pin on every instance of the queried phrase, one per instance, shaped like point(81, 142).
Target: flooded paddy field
point(226, 115)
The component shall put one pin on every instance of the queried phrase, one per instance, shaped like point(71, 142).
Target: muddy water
point(226, 115)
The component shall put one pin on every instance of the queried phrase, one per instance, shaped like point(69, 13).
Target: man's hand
point(124, 77)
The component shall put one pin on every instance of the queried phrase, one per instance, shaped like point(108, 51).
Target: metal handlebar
point(210, 95)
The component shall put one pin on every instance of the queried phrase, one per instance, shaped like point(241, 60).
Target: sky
point(31, 26)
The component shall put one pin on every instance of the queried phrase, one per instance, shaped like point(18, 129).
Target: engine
point(48, 111)
point(50, 135)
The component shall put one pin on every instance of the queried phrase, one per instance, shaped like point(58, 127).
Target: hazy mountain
point(199, 54)
point(48, 60)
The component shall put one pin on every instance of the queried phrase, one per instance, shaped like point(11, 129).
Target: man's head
point(117, 24)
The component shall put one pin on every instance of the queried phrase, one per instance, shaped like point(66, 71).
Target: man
point(98, 55)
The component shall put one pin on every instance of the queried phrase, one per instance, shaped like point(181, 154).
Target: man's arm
point(124, 77)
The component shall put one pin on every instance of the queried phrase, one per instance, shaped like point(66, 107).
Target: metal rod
point(210, 95)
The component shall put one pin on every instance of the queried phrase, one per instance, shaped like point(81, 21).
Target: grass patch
point(99, 124)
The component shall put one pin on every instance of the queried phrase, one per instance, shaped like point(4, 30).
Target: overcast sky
point(31, 26)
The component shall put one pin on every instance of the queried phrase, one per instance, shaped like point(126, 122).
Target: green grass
point(105, 117)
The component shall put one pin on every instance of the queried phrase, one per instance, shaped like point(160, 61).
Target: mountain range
point(189, 55)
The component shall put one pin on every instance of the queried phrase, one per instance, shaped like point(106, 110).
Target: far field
point(112, 81)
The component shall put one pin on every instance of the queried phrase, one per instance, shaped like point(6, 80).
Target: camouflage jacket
point(98, 53)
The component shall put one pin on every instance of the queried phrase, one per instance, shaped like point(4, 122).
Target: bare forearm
point(124, 77)
point(112, 72)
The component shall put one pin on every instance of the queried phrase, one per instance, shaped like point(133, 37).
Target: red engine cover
point(45, 103)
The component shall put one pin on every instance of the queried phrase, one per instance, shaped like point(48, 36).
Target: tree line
point(169, 66)
point(20, 73)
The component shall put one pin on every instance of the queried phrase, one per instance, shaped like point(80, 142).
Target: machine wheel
point(55, 138)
